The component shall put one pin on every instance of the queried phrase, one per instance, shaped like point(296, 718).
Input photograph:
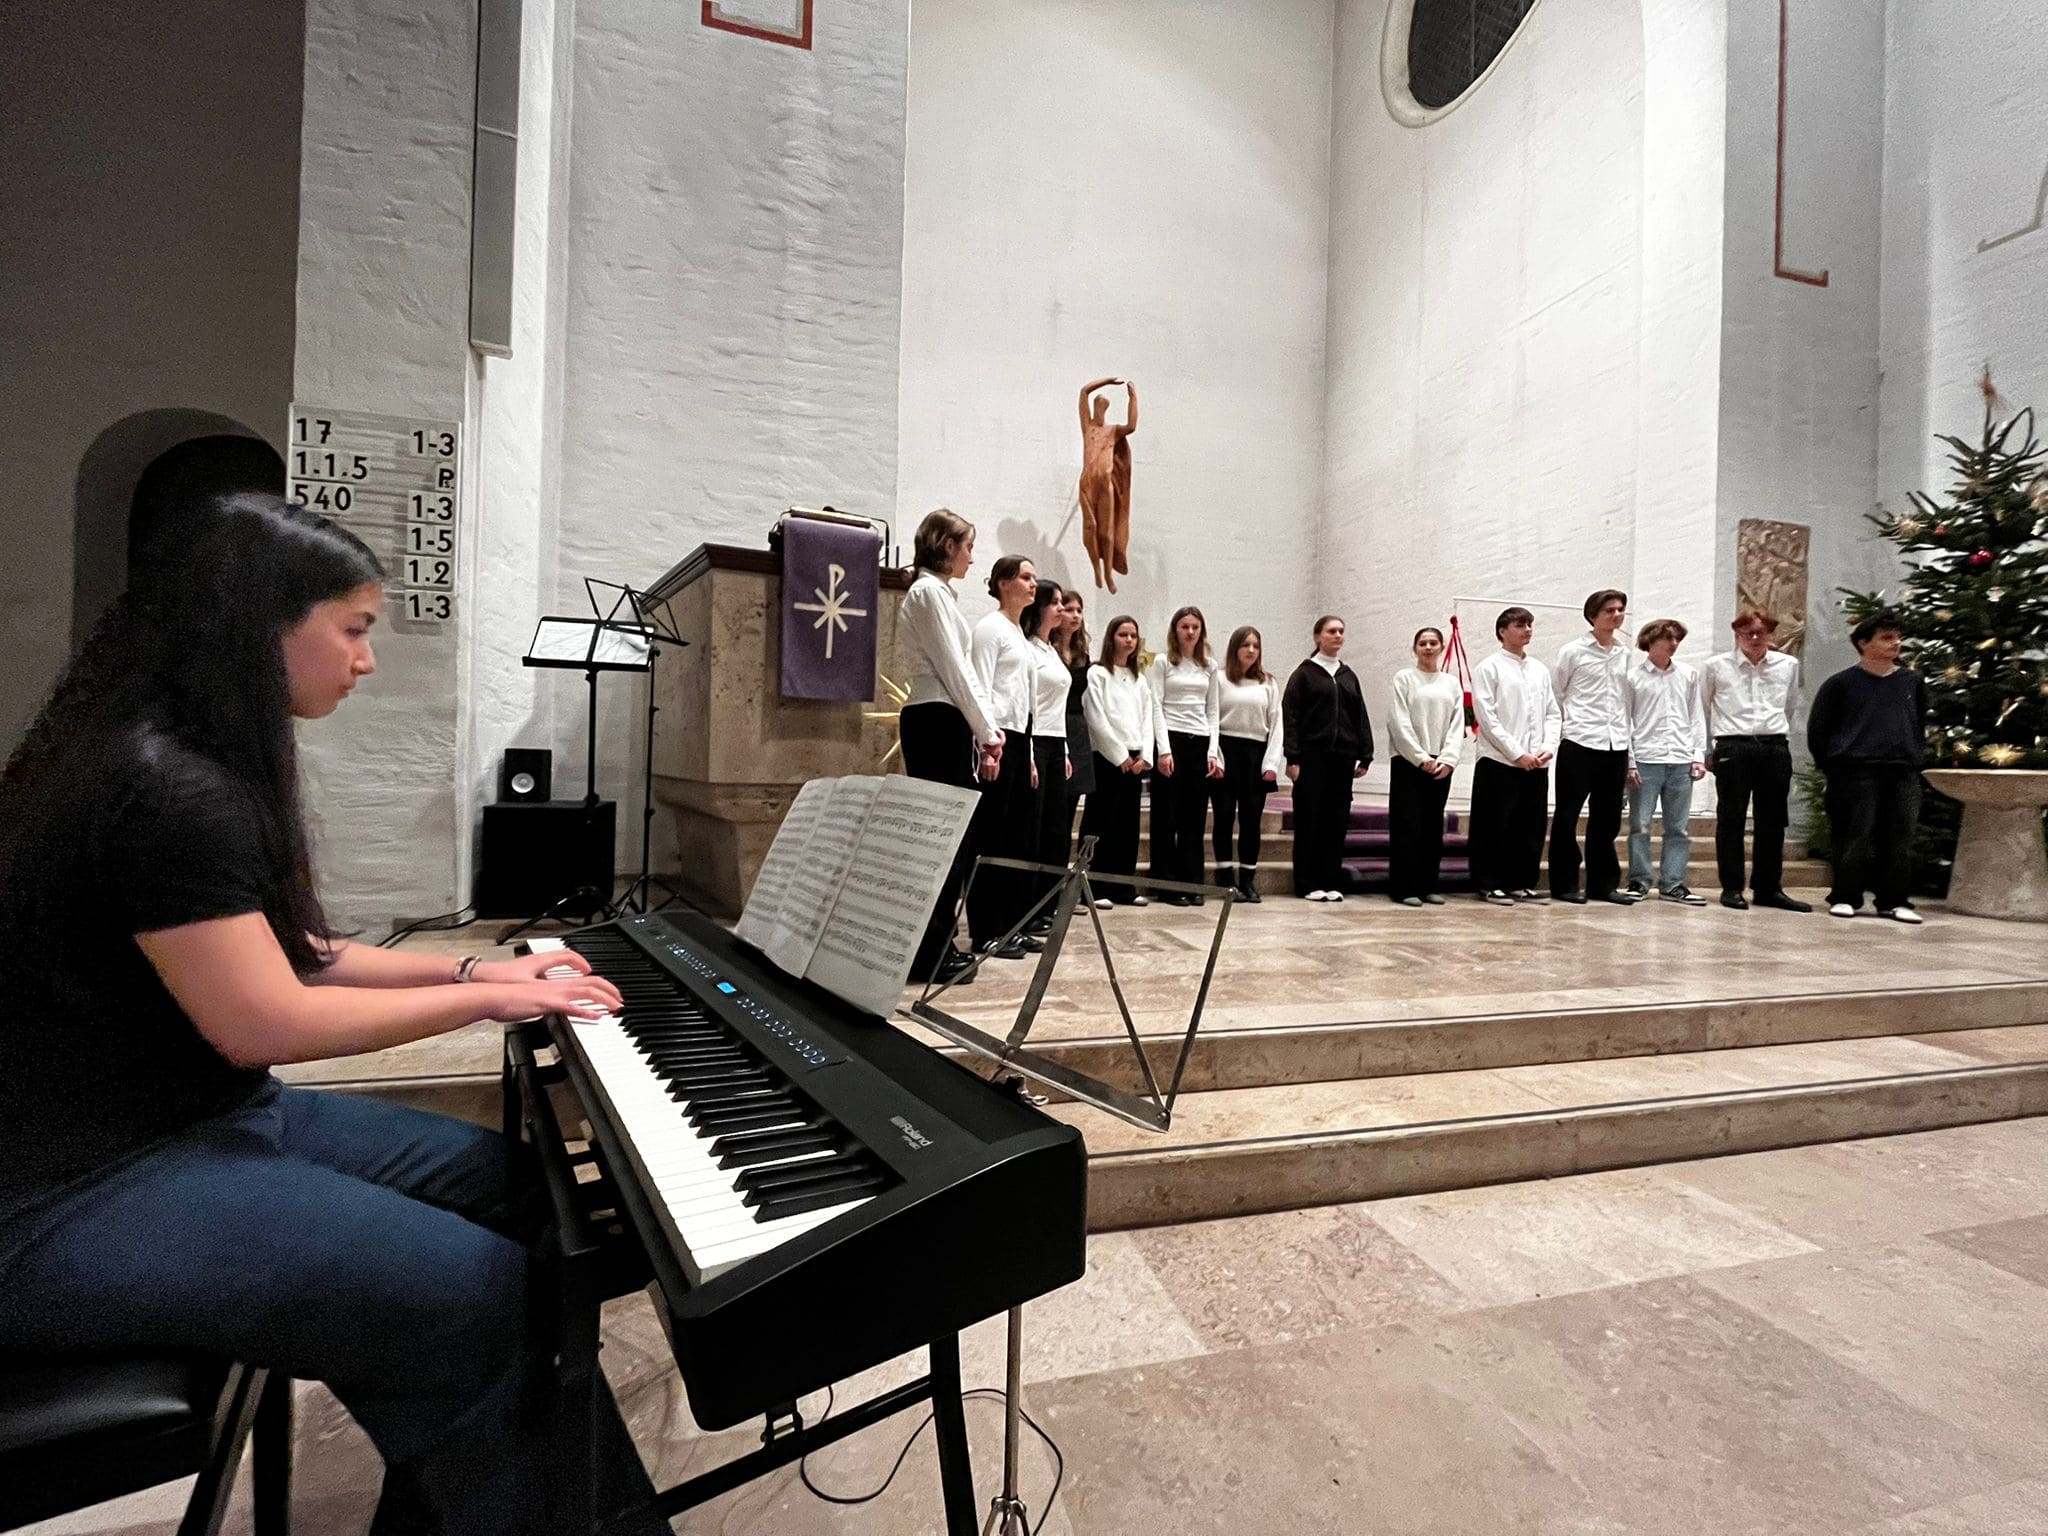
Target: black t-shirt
point(96, 1058)
point(1859, 718)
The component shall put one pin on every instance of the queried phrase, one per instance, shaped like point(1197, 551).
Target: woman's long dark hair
point(192, 652)
point(1032, 620)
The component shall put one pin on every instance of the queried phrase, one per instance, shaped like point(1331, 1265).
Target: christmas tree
point(1973, 608)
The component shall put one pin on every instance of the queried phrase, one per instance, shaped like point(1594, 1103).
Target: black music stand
point(594, 645)
point(656, 624)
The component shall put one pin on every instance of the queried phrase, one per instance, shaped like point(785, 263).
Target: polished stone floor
point(1836, 1340)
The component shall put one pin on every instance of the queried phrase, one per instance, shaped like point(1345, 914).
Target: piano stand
point(941, 1388)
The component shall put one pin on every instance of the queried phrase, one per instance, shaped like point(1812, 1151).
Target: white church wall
point(519, 402)
point(1799, 375)
point(731, 305)
point(383, 308)
point(1140, 189)
point(1965, 227)
point(149, 244)
point(1494, 281)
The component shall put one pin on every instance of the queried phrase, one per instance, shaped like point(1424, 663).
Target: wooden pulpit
point(730, 752)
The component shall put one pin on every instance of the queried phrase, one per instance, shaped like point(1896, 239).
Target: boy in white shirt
point(1515, 708)
point(1667, 756)
point(1592, 758)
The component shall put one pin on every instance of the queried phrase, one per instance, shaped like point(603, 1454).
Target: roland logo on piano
point(912, 1136)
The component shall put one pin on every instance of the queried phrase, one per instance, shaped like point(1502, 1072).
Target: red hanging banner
point(1461, 665)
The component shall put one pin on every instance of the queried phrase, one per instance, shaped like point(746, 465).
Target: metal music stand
point(657, 624)
point(591, 646)
point(1153, 1111)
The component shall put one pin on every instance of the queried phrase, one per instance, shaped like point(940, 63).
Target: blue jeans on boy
point(340, 1240)
point(1671, 785)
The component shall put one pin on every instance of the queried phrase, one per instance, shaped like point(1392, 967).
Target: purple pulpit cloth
point(831, 596)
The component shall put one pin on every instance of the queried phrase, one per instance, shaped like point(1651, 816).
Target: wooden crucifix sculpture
point(1106, 482)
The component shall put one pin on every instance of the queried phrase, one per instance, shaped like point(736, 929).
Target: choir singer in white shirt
point(1667, 755)
point(1515, 707)
point(1592, 758)
point(1751, 699)
point(1428, 731)
point(947, 726)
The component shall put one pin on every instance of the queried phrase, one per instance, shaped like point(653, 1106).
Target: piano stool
point(78, 1432)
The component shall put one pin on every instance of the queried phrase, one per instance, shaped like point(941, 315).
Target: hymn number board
point(393, 481)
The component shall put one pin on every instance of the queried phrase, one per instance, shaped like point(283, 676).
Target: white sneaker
point(1103, 903)
point(1333, 895)
point(1317, 896)
point(1901, 914)
point(1141, 901)
point(1841, 909)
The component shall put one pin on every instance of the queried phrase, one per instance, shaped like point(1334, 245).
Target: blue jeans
point(1670, 783)
point(337, 1239)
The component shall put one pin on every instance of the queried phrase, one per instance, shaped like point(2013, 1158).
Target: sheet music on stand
point(848, 884)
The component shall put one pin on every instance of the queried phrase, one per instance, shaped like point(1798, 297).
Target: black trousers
point(1508, 807)
point(1055, 838)
point(1594, 781)
point(1005, 827)
point(1240, 799)
point(1322, 819)
point(1187, 807)
point(1752, 775)
point(939, 746)
point(1110, 816)
point(1872, 811)
point(1415, 816)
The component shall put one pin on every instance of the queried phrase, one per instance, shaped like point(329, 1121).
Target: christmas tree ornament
point(1999, 755)
point(1981, 559)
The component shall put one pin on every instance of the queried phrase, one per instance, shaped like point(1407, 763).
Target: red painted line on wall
point(1778, 267)
point(799, 39)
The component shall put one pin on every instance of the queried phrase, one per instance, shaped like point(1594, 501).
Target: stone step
point(1233, 1152)
point(1339, 1050)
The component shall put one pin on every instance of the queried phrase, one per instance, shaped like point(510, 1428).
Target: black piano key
point(768, 1147)
point(756, 1120)
point(740, 1100)
point(723, 1115)
point(765, 1180)
point(837, 1192)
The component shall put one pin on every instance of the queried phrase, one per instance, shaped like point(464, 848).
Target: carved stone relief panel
point(1770, 574)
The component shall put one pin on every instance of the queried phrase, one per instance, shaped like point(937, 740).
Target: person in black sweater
point(1868, 733)
point(1329, 745)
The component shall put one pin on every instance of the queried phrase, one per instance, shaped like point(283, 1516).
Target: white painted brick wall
point(1136, 189)
point(1966, 165)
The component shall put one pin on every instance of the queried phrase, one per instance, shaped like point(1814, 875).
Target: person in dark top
point(164, 947)
point(1328, 745)
point(1868, 733)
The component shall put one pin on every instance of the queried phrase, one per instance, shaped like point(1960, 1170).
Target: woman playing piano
point(161, 1191)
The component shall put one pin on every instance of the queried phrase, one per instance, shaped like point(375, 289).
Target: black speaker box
point(536, 852)
point(526, 773)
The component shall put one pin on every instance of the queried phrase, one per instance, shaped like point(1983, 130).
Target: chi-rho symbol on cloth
point(831, 607)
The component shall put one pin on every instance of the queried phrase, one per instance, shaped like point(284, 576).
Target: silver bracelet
point(466, 970)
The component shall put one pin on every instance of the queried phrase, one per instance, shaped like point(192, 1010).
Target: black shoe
point(1249, 893)
point(1683, 895)
point(1030, 945)
point(1733, 901)
point(1039, 926)
point(952, 966)
point(1637, 889)
point(1576, 898)
point(1014, 950)
point(1617, 898)
point(1779, 901)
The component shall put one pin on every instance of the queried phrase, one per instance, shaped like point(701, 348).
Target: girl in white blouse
point(1123, 722)
point(1045, 627)
point(1428, 730)
point(1184, 682)
point(1006, 824)
point(1254, 756)
point(947, 726)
